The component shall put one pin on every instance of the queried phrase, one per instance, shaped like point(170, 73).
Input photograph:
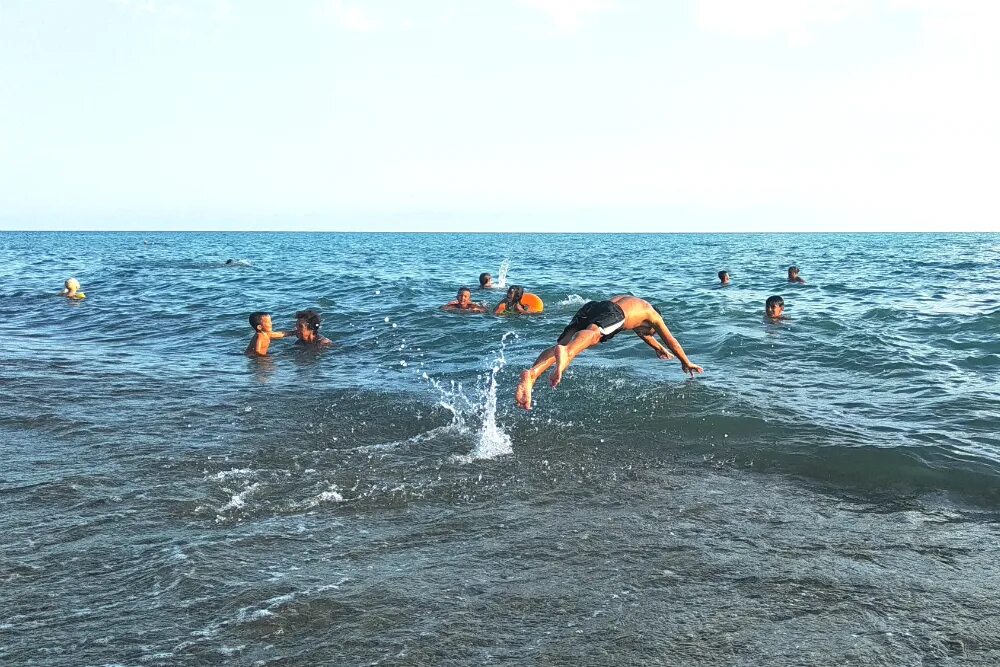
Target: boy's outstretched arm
point(661, 352)
point(676, 348)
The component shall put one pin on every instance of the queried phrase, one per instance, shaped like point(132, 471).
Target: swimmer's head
point(724, 277)
point(230, 261)
point(464, 297)
point(793, 272)
point(307, 320)
point(514, 295)
point(774, 306)
point(72, 285)
point(260, 321)
point(485, 280)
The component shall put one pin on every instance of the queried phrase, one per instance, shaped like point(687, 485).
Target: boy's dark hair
point(255, 319)
point(484, 278)
point(723, 274)
point(793, 269)
point(311, 318)
point(514, 295)
point(774, 301)
point(464, 289)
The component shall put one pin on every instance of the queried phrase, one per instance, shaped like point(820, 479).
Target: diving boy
point(594, 323)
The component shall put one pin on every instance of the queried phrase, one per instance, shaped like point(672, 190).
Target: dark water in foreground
point(828, 493)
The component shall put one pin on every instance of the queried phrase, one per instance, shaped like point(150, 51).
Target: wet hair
point(484, 278)
point(311, 318)
point(723, 274)
point(793, 269)
point(256, 317)
point(464, 289)
point(514, 295)
point(774, 301)
point(230, 261)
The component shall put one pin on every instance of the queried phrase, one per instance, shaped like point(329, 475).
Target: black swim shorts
point(607, 315)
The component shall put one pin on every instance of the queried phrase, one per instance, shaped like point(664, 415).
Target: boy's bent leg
point(522, 396)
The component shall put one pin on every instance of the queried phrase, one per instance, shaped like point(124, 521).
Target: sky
point(500, 115)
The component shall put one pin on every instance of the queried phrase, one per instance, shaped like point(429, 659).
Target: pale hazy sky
point(549, 115)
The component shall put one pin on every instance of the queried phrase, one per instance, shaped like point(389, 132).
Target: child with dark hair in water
point(307, 324)
point(723, 278)
point(263, 333)
point(511, 303)
point(485, 281)
point(793, 275)
point(774, 307)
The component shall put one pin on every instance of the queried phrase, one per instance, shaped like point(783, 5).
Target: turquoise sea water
point(826, 493)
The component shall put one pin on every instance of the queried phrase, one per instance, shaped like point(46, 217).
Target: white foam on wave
point(237, 501)
point(223, 475)
point(573, 300)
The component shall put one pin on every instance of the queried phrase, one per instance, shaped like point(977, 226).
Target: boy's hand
point(691, 368)
point(664, 354)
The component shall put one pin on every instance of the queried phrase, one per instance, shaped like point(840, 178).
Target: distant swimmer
point(307, 323)
point(774, 307)
point(230, 262)
point(263, 333)
point(594, 323)
point(463, 302)
point(793, 275)
point(71, 290)
point(485, 281)
point(518, 302)
point(723, 278)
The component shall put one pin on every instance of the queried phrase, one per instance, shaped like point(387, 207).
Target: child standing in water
point(723, 278)
point(793, 275)
point(261, 323)
point(71, 290)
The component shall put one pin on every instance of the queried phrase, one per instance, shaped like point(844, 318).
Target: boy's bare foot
point(523, 395)
point(562, 361)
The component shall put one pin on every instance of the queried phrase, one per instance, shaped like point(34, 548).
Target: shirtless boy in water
point(794, 277)
point(463, 301)
point(594, 323)
point(261, 323)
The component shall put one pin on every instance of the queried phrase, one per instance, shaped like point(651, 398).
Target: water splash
point(493, 441)
point(481, 407)
point(502, 273)
point(573, 300)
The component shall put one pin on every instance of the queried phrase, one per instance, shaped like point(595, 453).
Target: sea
point(826, 493)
